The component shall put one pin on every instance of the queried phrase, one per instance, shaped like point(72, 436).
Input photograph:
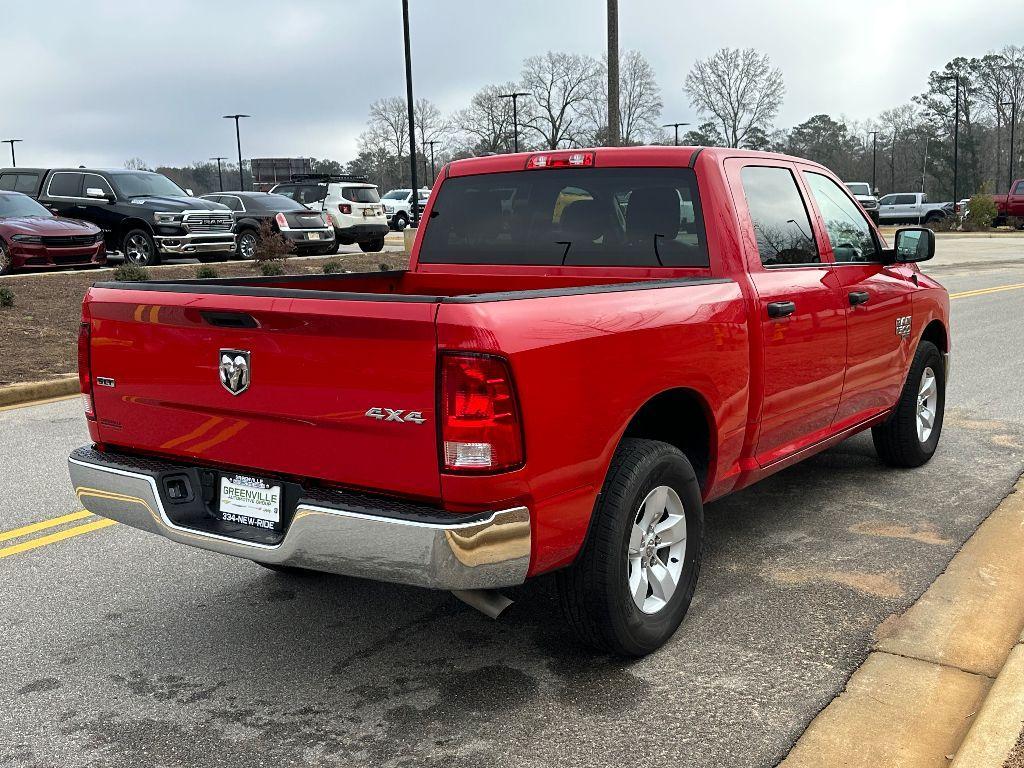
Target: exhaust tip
point(489, 602)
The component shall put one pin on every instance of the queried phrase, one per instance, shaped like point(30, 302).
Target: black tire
point(6, 263)
point(897, 441)
point(330, 249)
point(931, 218)
point(138, 248)
point(594, 592)
point(246, 242)
point(372, 246)
point(401, 221)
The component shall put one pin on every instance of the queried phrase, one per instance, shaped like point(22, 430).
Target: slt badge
point(234, 370)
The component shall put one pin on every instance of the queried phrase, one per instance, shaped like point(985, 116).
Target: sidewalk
point(944, 681)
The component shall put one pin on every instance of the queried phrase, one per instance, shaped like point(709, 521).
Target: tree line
point(736, 94)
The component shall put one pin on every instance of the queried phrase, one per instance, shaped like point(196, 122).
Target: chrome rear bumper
point(482, 552)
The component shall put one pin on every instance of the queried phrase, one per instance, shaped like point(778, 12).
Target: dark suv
point(142, 214)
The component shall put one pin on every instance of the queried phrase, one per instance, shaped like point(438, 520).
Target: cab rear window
point(633, 217)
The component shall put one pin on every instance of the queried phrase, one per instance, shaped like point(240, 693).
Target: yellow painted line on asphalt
point(983, 291)
point(25, 530)
point(67, 533)
point(44, 401)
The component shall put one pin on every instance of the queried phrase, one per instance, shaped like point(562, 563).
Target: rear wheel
point(245, 244)
point(401, 221)
point(139, 249)
point(329, 249)
point(633, 581)
point(909, 437)
point(372, 246)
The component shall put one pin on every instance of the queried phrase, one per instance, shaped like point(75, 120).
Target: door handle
point(859, 297)
point(781, 308)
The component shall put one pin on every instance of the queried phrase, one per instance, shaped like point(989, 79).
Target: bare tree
point(389, 124)
point(739, 89)
point(560, 85)
point(639, 104)
point(136, 164)
point(486, 124)
point(431, 125)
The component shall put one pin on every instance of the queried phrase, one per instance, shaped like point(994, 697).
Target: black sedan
point(307, 230)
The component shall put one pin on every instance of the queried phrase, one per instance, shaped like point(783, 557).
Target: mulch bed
point(38, 335)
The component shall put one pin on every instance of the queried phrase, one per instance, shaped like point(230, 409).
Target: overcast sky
point(99, 82)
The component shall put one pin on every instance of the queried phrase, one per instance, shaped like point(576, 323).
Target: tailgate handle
point(230, 319)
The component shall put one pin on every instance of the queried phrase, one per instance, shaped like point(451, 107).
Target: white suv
point(352, 205)
point(398, 206)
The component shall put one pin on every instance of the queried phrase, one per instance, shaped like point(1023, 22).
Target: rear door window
point(65, 184)
point(631, 217)
point(360, 194)
point(782, 226)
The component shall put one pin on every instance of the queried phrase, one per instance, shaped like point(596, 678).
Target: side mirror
point(189, 192)
point(98, 194)
point(913, 244)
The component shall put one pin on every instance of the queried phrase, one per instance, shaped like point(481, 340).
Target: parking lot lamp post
point(220, 176)
point(676, 126)
point(238, 141)
point(1013, 125)
point(874, 161)
point(433, 171)
point(515, 96)
point(12, 142)
point(412, 117)
point(956, 132)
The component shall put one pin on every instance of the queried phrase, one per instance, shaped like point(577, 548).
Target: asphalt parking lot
point(122, 649)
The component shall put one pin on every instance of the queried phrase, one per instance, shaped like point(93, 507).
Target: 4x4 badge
point(234, 370)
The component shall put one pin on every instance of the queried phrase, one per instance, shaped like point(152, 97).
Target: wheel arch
point(127, 225)
point(936, 333)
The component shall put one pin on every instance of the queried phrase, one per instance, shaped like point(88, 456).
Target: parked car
point(398, 206)
point(307, 230)
point(143, 215)
point(911, 207)
point(32, 237)
point(352, 204)
point(537, 393)
point(867, 198)
point(1010, 206)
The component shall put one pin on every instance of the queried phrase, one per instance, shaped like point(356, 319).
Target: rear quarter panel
point(583, 366)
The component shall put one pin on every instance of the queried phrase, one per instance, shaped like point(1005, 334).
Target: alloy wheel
point(137, 249)
point(927, 404)
point(247, 246)
point(657, 549)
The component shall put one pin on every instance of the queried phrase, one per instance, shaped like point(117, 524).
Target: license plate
point(313, 235)
point(368, 212)
point(250, 501)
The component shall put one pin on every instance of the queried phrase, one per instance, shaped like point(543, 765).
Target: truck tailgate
point(316, 367)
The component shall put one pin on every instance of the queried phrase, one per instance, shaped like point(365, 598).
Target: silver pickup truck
point(911, 207)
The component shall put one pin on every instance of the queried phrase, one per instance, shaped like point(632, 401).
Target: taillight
point(326, 218)
point(282, 221)
point(561, 160)
point(481, 430)
point(85, 369)
point(345, 208)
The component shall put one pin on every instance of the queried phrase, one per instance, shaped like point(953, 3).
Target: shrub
point(332, 267)
point(272, 244)
point(6, 297)
point(270, 268)
point(981, 212)
point(207, 272)
point(945, 224)
point(131, 273)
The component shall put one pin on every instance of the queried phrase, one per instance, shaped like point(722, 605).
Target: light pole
point(412, 124)
point(12, 142)
point(220, 176)
point(676, 126)
point(956, 133)
point(515, 95)
point(874, 160)
point(1013, 125)
point(238, 140)
point(433, 171)
point(614, 139)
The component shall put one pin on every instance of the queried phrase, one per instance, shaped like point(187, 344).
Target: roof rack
point(327, 177)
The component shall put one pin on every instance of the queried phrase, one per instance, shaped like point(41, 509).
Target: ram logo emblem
point(903, 326)
point(392, 414)
point(234, 370)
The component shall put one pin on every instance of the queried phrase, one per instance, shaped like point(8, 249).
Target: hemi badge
point(104, 381)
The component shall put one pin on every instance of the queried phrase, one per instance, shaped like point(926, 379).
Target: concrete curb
point(18, 394)
point(945, 680)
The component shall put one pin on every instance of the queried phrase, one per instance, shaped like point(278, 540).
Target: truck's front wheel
point(632, 583)
point(909, 437)
point(138, 248)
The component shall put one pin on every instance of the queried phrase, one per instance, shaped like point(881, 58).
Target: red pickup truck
point(1010, 205)
point(587, 347)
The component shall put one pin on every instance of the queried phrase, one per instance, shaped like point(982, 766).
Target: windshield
point(635, 217)
point(142, 184)
point(21, 205)
point(361, 194)
point(396, 194)
point(859, 189)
